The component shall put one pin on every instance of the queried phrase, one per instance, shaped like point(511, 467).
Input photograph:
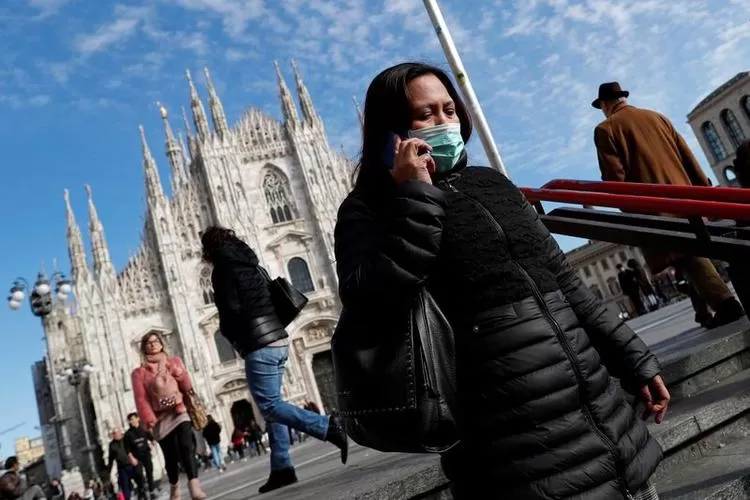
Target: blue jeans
point(216, 456)
point(265, 369)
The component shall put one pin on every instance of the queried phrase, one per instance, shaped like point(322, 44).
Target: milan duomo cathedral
point(278, 185)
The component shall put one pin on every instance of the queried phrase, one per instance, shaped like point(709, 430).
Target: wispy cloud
point(47, 8)
point(17, 101)
point(127, 20)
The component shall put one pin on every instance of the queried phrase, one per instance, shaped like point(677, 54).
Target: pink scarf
point(163, 389)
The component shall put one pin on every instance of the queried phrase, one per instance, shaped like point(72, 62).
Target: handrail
point(643, 204)
point(725, 194)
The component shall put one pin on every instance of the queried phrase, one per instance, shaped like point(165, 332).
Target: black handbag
point(395, 377)
point(287, 300)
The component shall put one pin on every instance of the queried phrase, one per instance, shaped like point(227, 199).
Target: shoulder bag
point(196, 410)
point(395, 378)
point(287, 300)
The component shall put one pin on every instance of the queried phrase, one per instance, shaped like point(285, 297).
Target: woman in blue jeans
point(247, 319)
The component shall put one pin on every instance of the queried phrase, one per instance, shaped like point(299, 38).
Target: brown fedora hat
point(607, 92)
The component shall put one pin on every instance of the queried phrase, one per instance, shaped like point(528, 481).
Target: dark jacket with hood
point(539, 414)
point(247, 317)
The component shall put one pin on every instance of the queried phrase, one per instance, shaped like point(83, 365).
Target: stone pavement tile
point(379, 476)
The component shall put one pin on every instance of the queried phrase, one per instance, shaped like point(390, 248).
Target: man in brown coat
point(640, 145)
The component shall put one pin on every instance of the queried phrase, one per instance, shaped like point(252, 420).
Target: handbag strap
point(264, 273)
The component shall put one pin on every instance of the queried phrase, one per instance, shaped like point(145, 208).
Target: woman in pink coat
point(159, 386)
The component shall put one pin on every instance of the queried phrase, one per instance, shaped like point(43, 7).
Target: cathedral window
point(224, 349)
point(278, 198)
point(299, 272)
point(207, 291)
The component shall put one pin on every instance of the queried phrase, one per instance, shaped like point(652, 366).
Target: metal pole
point(85, 426)
point(451, 53)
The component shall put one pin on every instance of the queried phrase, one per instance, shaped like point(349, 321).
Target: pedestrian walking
point(250, 321)
point(639, 145)
point(160, 386)
point(139, 440)
point(212, 435)
point(128, 469)
point(538, 413)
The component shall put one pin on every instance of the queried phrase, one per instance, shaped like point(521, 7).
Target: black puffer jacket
point(247, 317)
point(540, 416)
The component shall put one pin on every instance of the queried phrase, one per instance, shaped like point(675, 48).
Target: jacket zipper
point(539, 298)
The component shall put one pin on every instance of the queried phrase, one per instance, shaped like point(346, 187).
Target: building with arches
point(279, 186)
point(721, 122)
point(596, 265)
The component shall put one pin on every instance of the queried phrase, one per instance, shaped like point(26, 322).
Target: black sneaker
point(279, 479)
point(336, 435)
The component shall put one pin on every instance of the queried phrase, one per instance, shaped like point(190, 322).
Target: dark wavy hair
point(214, 238)
point(387, 111)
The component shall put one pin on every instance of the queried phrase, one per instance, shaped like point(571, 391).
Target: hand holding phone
point(412, 160)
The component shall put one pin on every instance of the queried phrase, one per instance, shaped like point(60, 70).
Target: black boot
point(336, 435)
point(727, 312)
point(279, 479)
point(704, 320)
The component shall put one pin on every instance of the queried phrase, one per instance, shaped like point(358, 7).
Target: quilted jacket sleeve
point(386, 256)
point(142, 400)
point(623, 352)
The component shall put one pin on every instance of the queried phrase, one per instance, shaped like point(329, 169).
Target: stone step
point(699, 359)
point(714, 474)
point(739, 489)
point(707, 421)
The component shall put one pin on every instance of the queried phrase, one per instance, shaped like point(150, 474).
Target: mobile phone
point(390, 149)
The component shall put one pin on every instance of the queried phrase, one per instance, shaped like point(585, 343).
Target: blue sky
point(77, 77)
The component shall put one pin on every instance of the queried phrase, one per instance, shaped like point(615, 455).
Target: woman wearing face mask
point(538, 414)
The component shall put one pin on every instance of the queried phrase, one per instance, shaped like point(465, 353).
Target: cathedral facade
point(278, 185)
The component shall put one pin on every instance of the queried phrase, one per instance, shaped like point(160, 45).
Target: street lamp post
point(40, 299)
point(42, 303)
point(75, 376)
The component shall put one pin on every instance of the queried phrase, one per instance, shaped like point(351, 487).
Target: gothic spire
point(359, 113)
point(199, 114)
point(174, 152)
point(217, 109)
point(287, 103)
point(154, 190)
point(102, 261)
point(76, 249)
point(190, 140)
point(308, 110)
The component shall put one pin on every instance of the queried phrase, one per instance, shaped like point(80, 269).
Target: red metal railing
point(684, 201)
point(727, 194)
